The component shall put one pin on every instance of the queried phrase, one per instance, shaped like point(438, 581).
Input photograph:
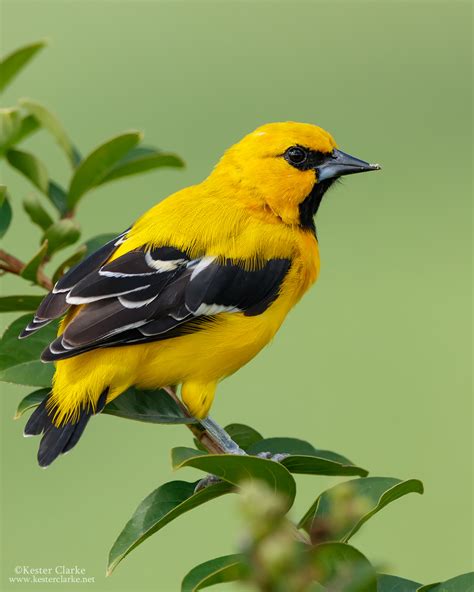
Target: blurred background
point(374, 362)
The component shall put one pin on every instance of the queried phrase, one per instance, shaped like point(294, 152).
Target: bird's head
point(287, 168)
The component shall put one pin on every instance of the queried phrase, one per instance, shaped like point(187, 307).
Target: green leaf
point(340, 511)
point(13, 63)
point(140, 160)
point(387, 583)
point(463, 583)
point(229, 568)
point(235, 469)
point(10, 124)
point(96, 166)
point(15, 128)
point(61, 234)
point(158, 509)
point(74, 259)
point(31, 401)
point(5, 211)
point(28, 126)
point(318, 465)
point(35, 171)
point(30, 271)
point(50, 122)
point(288, 445)
point(341, 567)
point(58, 197)
point(32, 168)
point(19, 359)
point(307, 460)
point(148, 406)
point(36, 212)
point(19, 303)
point(243, 435)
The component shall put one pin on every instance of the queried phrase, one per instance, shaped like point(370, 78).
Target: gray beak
point(339, 163)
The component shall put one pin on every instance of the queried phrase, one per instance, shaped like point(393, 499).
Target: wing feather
point(152, 294)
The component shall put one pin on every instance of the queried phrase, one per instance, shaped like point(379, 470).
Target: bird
point(195, 288)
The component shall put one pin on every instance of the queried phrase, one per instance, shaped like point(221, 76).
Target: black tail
point(56, 441)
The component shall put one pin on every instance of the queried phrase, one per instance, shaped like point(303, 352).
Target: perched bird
point(195, 288)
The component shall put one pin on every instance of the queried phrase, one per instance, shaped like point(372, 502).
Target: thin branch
point(10, 264)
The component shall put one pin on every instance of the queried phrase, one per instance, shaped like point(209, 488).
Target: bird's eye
point(296, 155)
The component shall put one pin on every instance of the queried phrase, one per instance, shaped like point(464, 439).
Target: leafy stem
point(11, 264)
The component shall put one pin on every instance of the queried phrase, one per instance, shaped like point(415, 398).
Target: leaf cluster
point(120, 156)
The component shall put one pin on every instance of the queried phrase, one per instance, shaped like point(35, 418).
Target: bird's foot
point(206, 481)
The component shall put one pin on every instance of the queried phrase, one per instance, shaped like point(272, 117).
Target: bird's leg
point(223, 441)
point(221, 437)
point(214, 438)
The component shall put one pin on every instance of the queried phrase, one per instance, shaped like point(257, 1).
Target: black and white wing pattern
point(54, 304)
point(148, 295)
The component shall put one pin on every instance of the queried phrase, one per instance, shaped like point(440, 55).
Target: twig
point(10, 264)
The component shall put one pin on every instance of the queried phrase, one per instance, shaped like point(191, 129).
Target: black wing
point(148, 295)
point(55, 304)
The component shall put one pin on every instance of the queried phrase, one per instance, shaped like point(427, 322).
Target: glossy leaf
point(19, 359)
point(5, 211)
point(157, 510)
point(36, 212)
point(387, 583)
point(318, 465)
point(236, 469)
point(139, 160)
point(50, 122)
point(31, 401)
point(61, 234)
point(74, 259)
point(339, 512)
point(341, 567)
point(96, 166)
point(148, 406)
point(462, 583)
point(12, 64)
point(229, 568)
point(30, 271)
point(305, 459)
point(19, 303)
point(243, 435)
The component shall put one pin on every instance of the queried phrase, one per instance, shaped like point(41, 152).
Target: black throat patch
point(310, 205)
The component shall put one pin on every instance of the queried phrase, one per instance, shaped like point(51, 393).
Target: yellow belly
point(198, 361)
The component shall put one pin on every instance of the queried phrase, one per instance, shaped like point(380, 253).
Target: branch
point(10, 264)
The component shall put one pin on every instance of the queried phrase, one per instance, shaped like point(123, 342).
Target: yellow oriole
point(195, 288)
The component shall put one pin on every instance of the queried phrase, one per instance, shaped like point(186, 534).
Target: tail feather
point(58, 440)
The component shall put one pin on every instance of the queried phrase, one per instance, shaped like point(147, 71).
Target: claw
point(206, 481)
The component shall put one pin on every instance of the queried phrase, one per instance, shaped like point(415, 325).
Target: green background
point(373, 363)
